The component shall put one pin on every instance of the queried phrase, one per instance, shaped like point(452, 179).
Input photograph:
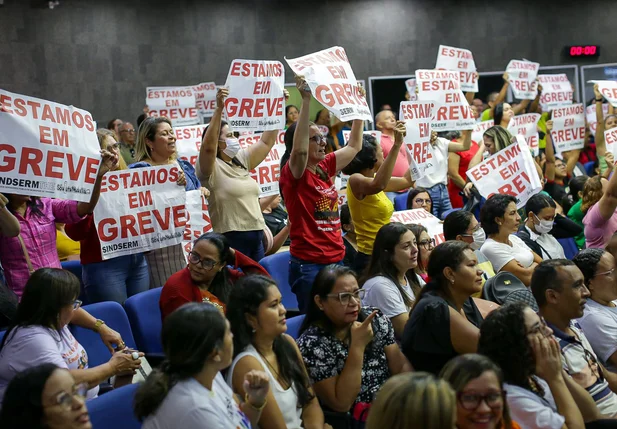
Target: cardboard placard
point(522, 77)
point(608, 88)
point(188, 142)
point(417, 116)
point(590, 113)
point(432, 223)
point(568, 128)
point(556, 91)
point(610, 138)
point(198, 219)
point(205, 99)
point(527, 126)
point(374, 133)
point(481, 127)
point(174, 102)
point(461, 60)
point(410, 84)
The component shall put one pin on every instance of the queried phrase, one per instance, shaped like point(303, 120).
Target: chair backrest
point(589, 167)
point(144, 314)
point(400, 202)
point(293, 326)
point(277, 266)
point(2, 335)
point(114, 316)
point(114, 409)
point(75, 268)
point(570, 249)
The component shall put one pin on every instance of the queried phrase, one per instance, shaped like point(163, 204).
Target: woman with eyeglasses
point(481, 399)
point(444, 321)
point(311, 197)
point(348, 350)
point(390, 283)
point(425, 244)
point(224, 167)
point(45, 397)
point(213, 268)
point(40, 334)
point(113, 279)
point(419, 198)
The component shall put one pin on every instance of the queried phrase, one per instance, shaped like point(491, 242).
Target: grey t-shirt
point(382, 293)
point(531, 411)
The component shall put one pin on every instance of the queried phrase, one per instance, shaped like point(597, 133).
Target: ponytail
point(151, 394)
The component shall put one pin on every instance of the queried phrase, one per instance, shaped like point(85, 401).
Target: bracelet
point(599, 101)
point(246, 399)
point(97, 325)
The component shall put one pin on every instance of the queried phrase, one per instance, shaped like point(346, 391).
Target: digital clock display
point(583, 51)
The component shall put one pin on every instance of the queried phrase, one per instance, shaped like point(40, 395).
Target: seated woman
point(413, 400)
point(419, 198)
point(45, 397)
point(599, 322)
point(391, 285)
point(349, 350)
point(188, 391)
point(444, 321)
point(478, 383)
point(425, 244)
point(257, 318)
point(40, 334)
point(535, 232)
point(500, 220)
point(212, 270)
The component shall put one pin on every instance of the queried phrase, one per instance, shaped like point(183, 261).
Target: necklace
point(278, 377)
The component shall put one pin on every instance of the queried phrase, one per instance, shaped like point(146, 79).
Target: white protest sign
point(374, 133)
point(461, 60)
point(267, 173)
point(341, 190)
point(188, 142)
point(174, 102)
point(410, 84)
point(481, 127)
point(527, 126)
point(522, 76)
point(556, 91)
point(250, 138)
point(510, 171)
point(610, 138)
point(47, 149)
point(417, 116)
point(608, 88)
point(256, 101)
point(568, 128)
point(432, 224)
point(139, 210)
point(590, 112)
point(205, 99)
point(451, 112)
point(198, 219)
point(333, 83)
point(323, 130)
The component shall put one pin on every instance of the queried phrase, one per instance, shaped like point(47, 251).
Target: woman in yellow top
point(370, 178)
point(68, 250)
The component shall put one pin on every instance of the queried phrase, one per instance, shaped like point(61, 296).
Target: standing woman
point(156, 145)
point(458, 164)
point(257, 318)
point(291, 115)
point(234, 196)
point(425, 245)
point(370, 179)
point(113, 279)
point(604, 124)
point(311, 197)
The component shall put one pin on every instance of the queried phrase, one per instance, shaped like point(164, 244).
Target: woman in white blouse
point(500, 220)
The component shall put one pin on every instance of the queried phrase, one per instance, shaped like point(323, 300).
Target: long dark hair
point(289, 144)
point(22, 406)
point(34, 204)
point(381, 263)
point(246, 297)
point(190, 335)
point(413, 193)
point(47, 291)
point(221, 283)
point(417, 230)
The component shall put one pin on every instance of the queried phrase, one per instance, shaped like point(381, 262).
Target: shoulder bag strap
point(26, 255)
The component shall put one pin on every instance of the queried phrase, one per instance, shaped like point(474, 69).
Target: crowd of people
point(492, 328)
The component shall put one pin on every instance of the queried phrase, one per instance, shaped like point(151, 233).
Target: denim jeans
point(441, 199)
point(301, 277)
point(116, 279)
point(249, 243)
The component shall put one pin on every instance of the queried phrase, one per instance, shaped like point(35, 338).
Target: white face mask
point(479, 237)
point(545, 226)
point(232, 148)
point(485, 154)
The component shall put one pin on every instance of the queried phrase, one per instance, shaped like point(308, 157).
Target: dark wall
point(100, 54)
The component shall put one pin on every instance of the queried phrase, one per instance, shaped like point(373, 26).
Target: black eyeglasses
point(471, 401)
point(422, 202)
point(76, 304)
point(206, 264)
point(345, 297)
point(608, 273)
point(427, 244)
point(317, 138)
point(127, 131)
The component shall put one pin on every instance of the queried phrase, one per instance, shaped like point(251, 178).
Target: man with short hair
point(559, 288)
point(127, 142)
point(385, 121)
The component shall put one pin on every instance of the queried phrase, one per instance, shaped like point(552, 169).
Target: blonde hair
point(147, 131)
point(103, 134)
point(413, 400)
point(500, 136)
point(592, 192)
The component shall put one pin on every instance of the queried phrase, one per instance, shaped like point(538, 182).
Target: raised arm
point(9, 225)
point(461, 147)
point(501, 96)
point(536, 101)
point(599, 137)
point(109, 162)
point(608, 202)
point(521, 107)
point(210, 143)
point(550, 153)
point(346, 154)
point(299, 153)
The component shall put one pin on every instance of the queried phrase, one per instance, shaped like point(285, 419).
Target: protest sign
point(608, 88)
point(188, 142)
point(556, 91)
point(323, 130)
point(256, 101)
point(198, 219)
point(510, 171)
point(268, 172)
point(610, 138)
point(568, 128)
point(174, 102)
point(527, 126)
point(478, 132)
point(451, 110)
point(410, 84)
point(374, 133)
point(432, 224)
point(47, 149)
point(205, 99)
point(592, 120)
point(417, 116)
point(140, 209)
point(461, 60)
point(249, 138)
point(522, 77)
point(333, 83)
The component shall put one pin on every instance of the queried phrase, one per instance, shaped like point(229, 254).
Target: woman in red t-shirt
point(311, 197)
point(458, 163)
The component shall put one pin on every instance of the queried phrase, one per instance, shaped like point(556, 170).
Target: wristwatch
point(98, 324)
